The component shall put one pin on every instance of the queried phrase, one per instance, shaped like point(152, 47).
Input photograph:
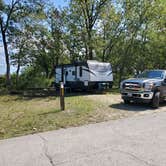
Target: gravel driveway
point(112, 107)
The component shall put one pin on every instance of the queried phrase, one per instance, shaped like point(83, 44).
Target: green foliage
point(3, 89)
point(2, 81)
point(33, 78)
point(129, 34)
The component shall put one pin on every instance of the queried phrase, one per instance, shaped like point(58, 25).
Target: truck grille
point(132, 86)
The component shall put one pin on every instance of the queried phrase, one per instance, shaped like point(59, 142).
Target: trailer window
point(73, 73)
point(81, 71)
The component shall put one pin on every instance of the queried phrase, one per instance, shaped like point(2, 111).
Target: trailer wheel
point(126, 101)
point(84, 89)
point(156, 100)
point(110, 85)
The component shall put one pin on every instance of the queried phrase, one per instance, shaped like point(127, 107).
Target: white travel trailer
point(84, 75)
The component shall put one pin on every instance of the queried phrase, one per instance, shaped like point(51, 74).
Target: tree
point(88, 11)
point(48, 42)
point(6, 12)
point(128, 33)
point(11, 15)
point(109, 31)
point(20, 42)
point(55, 44)
point(75, 35)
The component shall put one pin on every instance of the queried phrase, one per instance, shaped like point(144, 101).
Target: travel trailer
point(84, 75)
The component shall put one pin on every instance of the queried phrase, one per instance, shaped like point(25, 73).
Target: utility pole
point(62, 99)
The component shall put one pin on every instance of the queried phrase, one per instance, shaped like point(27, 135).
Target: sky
point(58, 4)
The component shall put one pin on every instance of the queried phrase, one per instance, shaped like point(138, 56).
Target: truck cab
point(147, 87)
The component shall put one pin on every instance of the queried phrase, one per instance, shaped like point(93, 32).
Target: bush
point(3, 89)
point(30, 78)
point(2, 81)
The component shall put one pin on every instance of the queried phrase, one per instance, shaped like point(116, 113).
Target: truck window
point(152, 74)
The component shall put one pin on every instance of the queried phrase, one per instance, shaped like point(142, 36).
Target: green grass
point(20, 116)
point(114, 91)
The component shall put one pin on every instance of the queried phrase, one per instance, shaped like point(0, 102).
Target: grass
point(20, 116)
point(113, 91)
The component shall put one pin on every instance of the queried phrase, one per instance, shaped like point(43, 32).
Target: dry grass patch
point(20, 116)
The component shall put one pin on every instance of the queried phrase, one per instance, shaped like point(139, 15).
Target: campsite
point(82, 82)
point(64, 66)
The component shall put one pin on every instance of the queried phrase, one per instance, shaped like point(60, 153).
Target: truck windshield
point(151, 74)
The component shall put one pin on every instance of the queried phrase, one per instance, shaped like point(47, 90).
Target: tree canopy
point(37, 36)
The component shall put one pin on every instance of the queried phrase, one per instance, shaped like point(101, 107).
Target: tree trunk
point(8, 77)
point(90, 52)
point(120, 75)
point(103, 56)
point(17, 74)
point(47, 72)
point(55, 63)
point(90, 48)
point(86, 51)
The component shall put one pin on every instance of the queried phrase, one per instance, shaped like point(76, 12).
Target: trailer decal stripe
point(109, 73)
point(89, 71)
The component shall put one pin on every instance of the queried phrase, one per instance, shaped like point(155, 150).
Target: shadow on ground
point(135, 106)
point(50, 112)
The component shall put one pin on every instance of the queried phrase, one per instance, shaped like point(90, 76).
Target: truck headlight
point(148, 86)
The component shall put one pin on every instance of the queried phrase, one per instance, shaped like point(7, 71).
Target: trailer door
point(71, 74)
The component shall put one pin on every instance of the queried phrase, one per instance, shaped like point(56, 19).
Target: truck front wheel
point(156, 100)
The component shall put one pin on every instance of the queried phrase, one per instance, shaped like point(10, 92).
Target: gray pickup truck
point(147, 87)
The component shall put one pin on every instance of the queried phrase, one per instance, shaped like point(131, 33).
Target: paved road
point(136, 141)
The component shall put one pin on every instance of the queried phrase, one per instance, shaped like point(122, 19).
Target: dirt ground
point(112, 107)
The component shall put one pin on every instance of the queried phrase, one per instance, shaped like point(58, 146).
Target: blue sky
point(60, 3)
point(57, 3)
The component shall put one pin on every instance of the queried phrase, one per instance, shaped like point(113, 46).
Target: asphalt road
point(136, 141)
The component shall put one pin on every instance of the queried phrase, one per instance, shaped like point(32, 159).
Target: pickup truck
point(147, 87)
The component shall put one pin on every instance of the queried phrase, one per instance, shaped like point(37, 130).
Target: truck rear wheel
point(156, 100)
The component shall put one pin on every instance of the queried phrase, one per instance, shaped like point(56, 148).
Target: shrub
point(30, 78)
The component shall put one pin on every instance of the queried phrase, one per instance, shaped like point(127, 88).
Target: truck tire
point(126, 101)
point(156, 100)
